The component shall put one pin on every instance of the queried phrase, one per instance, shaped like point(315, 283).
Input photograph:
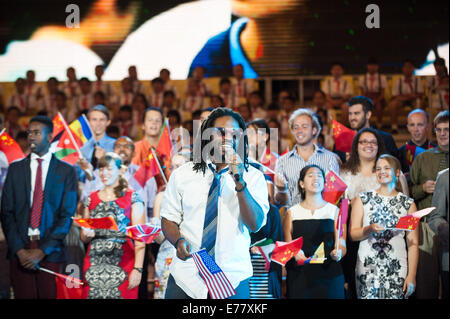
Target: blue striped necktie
point(210, 224)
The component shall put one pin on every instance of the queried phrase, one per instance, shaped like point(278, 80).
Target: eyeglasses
point(226, 131)
point(366, 142)
point(441, 130)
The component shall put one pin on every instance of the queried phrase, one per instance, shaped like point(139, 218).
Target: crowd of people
point(269, 187)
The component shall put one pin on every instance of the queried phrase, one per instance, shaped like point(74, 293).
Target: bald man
point(418, 125)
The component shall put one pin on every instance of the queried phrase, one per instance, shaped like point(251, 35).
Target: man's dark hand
point(183, 249)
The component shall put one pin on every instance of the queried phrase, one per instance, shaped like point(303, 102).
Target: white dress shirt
point(184, 203)
point(34, 166)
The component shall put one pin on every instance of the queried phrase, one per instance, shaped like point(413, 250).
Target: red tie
point(126, 99)
point(38, 198)
point(239, 89)
point(156, 100)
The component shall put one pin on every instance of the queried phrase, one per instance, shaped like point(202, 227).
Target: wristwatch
point(139, 269)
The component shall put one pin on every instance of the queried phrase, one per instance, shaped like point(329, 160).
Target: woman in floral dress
point(386, 264)
point(113, 263)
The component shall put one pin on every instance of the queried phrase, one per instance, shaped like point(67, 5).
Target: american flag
point(218, 285)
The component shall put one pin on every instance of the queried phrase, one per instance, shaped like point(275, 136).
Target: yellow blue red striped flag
point(81, 128)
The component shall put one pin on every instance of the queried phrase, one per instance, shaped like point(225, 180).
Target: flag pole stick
point(338, 233)
point(159, 166)
point(78, 281)
point(4, 129)
point(66, 127)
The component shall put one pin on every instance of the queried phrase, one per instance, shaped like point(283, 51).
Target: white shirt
point(337, 88)
point(401, 87)
point(184, 203)
point(34, 166)
point(156, 99)
point(241, 88)
point(371, 83)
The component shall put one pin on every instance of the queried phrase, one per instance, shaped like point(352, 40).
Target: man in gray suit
point(438, 222)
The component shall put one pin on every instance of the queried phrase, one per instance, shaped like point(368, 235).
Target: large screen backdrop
point(268, 37)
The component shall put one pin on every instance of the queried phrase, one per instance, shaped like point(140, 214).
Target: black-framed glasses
point(366, 142)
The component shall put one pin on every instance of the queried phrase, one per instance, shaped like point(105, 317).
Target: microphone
point(230, 148)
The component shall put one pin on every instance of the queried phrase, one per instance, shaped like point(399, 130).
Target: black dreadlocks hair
point(199, 161)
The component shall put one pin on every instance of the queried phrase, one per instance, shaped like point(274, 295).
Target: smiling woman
point(390, 272)
point(113, 263)
point(315, 220)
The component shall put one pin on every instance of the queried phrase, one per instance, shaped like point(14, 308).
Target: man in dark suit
point(360, 110)
point(39, 198)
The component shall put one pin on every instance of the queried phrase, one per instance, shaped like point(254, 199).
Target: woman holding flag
point(315, 271)
point(113, 265)
point(386, 265)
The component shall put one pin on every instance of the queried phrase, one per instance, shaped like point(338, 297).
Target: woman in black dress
point(315, 220)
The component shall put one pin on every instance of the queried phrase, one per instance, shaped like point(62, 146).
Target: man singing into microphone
point(214, 203)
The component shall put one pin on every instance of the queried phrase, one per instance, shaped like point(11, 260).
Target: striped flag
point(143, 232)
point(218, 285)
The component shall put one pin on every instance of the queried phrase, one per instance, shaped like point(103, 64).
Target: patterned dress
point(382, 263)
point(110, 255)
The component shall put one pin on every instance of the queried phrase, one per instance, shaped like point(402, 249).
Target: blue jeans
point(173, 291)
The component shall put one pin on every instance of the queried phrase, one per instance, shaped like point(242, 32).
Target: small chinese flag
point(147, 170)
point(58, 125)
point(283, 251)
point(97, 223)
point(343, 136)
point(334, 188)
point(10, 148)
point(410, 222)
point(164, 148)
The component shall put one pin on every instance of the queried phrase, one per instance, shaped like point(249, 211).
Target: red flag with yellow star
point(284, 251)
point(58, 125)
point(334, 187)
point(10, 148)
point(407, 222)
point(147, 170)
point(164, 148)
point(343, 136)
point(410, 222)
point(97, 223)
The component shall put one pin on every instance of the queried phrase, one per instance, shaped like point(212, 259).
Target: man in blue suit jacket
point(36, 213)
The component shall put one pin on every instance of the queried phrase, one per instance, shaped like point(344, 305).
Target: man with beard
point(305, 128)
point(214, 203)
point(360, 110)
